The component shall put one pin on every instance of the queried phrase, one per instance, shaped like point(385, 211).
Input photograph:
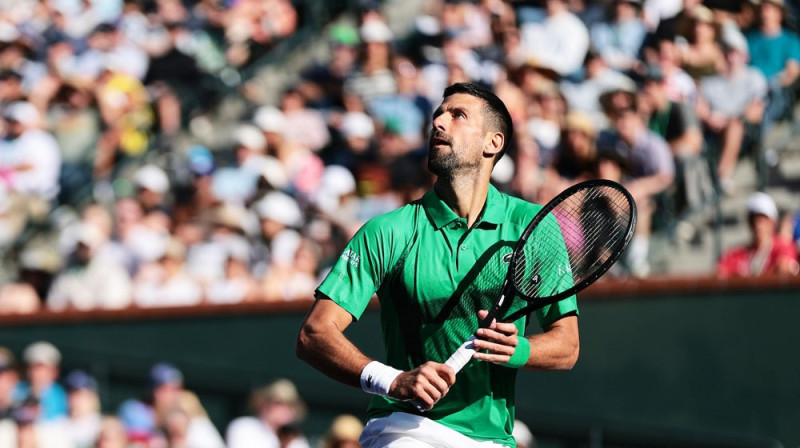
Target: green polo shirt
point(432, 274)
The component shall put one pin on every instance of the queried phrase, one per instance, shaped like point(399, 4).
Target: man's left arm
point(556, 348)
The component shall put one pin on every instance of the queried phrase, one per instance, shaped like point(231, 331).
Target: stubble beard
point(448, 164)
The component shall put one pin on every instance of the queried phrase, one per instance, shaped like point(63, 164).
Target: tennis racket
point(592, 222)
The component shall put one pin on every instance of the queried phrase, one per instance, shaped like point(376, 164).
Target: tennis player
point(431, 262)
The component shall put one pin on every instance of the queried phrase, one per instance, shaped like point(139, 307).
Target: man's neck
point(771, 29)
point(465, 194)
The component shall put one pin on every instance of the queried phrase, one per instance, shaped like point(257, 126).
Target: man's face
point(458, 135)
point(771, 13)
point(763, 227)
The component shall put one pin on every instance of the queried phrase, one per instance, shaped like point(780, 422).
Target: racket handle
point(456, 361)
point(462, 356)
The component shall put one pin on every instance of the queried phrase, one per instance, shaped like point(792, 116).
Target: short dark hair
point(496, 110)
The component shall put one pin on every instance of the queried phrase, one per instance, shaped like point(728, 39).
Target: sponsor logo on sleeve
point(351, 257)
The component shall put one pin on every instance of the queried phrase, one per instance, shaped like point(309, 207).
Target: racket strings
point(589, 226)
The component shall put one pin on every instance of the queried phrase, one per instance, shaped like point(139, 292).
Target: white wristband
point(377, 378)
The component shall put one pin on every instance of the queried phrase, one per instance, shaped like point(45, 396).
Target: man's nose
point(440, 123)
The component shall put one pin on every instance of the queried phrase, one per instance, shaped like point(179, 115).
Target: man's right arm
point(322, 343)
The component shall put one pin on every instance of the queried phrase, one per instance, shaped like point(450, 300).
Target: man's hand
point(497, 343)
point(426, 384)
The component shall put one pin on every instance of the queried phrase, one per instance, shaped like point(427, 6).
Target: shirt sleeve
point(794, 47)
point(361, 267)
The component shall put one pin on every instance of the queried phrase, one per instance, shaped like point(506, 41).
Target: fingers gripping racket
point(592, 222)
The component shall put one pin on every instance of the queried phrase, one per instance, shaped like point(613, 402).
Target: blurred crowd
point(112, 194)
point(40, 408)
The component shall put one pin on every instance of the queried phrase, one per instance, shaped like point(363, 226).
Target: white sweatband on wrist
point(377, 378)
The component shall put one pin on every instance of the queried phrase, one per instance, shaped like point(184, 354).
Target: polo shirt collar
point(441, 214)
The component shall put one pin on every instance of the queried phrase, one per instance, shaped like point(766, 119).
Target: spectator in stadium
point(276, 405)
point(277, 212)
point(599, 78)
point(322, 83)
point(559, 42)
point(145, 418)
point(112, 434)
point(75, 123)
point(252, 27)
point(85, 421)
point(677, 123)
point(108, 46)
point(176, 84)
point(545, 119)
point(358, 144)
point(10, 87)
point(187, 424)
point(29, 430)
point(152, 188)
point(768, 253)
point(42, 360)
point(304, 125)
point(9, 377)
point(640, 159)
point(373, 73)
point(90, 281)
point(776, 52)
point(674, 121)
point(343, 432)
point(30, 159)
point(293, 270)
point(302, 167)
point(702, 56)
point(575, 158)
point(128, 119)
point(731, 107)
point(680, 87)
point(618, 40)
point(166, 282)
point(17, 53)
point(238, 284)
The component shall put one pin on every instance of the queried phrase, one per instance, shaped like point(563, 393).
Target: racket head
point(571, 242)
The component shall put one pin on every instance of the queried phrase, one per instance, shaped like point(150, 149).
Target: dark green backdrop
point(696, 364)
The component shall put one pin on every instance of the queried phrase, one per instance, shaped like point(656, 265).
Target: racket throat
point(487, 321)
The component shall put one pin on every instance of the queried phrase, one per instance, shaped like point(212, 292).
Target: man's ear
point(494, 144)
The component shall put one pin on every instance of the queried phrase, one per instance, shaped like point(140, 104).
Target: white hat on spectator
point(8, 32)
point(25, 113)
point(237, 248)
point(231, 215)
point(337, 180)
point(152, 178)
point(250, 137)
point(270, 119)
point(376, 31)
point(357, 124)
point(735, 40)
point(42, 352)
point(284, 247)
point(503, 170)
point(279, 207)
point(273, 172)
point(522, 434)
point(761, 203)
point(90, 236)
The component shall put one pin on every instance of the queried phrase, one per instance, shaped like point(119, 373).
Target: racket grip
point(456, 361)
point(462, 356)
